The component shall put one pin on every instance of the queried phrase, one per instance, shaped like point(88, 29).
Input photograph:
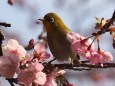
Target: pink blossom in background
point(9, 65)
point(32, 74)
point(40, 51)
point(51, 77)
point(14, 47)
point(11, 2)
point(97, 76)
point(70, 84)
point(102, 57)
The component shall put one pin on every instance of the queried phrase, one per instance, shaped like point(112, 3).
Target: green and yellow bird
point(57, 37)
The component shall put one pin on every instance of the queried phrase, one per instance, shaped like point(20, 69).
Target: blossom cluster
point(27, 68)
point(85, 47)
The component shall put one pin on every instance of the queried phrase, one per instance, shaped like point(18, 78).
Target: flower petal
point(25, 77)
point(36, 66)
point(39, 47)
point(107, 57)
point(45, 55)
point(9, 65)
point(73, 36)
point(40, 78)
point(14, 47)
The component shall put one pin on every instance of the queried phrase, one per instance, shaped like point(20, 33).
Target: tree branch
point(79, 67)
point(1, 39)
point(11, 81)
point(105, 29)
point(5, 24)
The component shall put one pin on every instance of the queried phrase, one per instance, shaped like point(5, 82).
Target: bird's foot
point(77, 62)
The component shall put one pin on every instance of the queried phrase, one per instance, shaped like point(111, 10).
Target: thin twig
point(5, 24)
point(105, 28)
point(10, 81)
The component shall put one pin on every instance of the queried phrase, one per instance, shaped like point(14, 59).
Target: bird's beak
point(41, 20)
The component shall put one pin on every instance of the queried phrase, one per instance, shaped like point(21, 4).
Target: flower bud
point(11, 2)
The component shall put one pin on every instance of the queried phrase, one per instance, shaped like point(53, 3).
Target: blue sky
point(79, 15)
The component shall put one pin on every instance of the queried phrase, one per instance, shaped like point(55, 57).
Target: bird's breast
point(59, 46)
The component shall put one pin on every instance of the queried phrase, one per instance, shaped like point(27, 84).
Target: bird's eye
point(51, 20)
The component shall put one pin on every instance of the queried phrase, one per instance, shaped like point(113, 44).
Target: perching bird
point(57, 37)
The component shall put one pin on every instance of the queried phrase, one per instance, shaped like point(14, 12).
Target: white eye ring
point(51, 20)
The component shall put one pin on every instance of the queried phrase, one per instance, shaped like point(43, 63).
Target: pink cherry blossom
point(79, 44)
point(83, 47)
point(32, 74)
point(40, 78)
point(51, 77)
point(36, 66)
point(14, 47)
point(40, 51)
point(107, 57)
point(9, 65)
point(94, 58)
point(28, 58)
point(102, 57)
point(73, 36)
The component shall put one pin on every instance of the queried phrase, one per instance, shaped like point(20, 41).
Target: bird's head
point(52, 21)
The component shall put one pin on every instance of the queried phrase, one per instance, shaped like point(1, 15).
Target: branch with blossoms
point(34, 69)
point(80, 67)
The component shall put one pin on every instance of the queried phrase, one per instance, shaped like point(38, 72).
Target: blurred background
point(78, 15)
